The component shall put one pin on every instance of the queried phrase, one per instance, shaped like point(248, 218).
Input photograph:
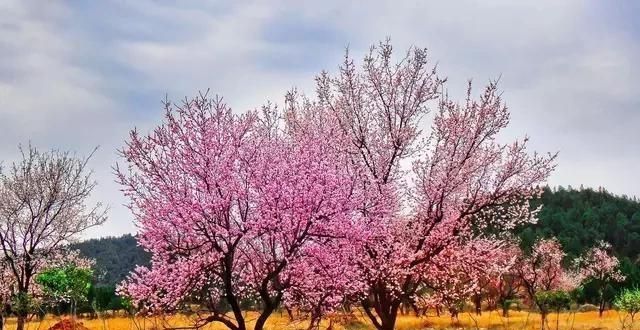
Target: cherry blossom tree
point(43, 207)
point(462, 178)
point(600, 267)
point(494, 278)
point(542, 270)
point(458, 273)
point(231, 207)
point(504, 290)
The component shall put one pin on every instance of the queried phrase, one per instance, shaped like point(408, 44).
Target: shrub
point(555, 300)
point(628, 301)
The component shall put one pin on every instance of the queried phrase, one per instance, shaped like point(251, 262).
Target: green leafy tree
point(66, 284)
point(553, 301)
point(629, 302)
point(106, 299)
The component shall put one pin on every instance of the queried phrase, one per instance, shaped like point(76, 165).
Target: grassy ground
point(517, 321)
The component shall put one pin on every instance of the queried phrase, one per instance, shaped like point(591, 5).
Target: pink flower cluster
point(599, 264)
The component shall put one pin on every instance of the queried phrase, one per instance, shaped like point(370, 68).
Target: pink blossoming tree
point(494, 278)
point(542, 270)
point(600, 266)
point(232, 207)
point(321, 282)
point(462, 178)
point(460, 273)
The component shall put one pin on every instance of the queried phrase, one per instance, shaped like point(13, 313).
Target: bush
point(628, 301)
point(555, 300)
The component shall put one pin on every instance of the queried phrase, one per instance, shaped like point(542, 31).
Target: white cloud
point(81, 75)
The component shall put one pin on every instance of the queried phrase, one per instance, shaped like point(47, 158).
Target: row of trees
point(540, 278)
point(342, 198)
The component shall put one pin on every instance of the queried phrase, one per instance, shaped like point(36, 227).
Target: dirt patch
point(68, 324)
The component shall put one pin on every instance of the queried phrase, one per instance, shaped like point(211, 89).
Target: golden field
point(488, 320)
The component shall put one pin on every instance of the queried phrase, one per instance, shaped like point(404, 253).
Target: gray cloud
point(77, 75)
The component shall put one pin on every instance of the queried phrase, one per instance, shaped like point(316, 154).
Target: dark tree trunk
point(454, 313)
point(477, 301)
point(230, 296)
point(21, 321)
point(290, 313)
point(262, 319)
point(543, 319)
point(269, 306)
point(386, 309)
point(314, 323)
point(416, 310)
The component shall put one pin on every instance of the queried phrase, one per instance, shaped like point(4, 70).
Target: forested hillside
point(115, 257)
point(581, 217)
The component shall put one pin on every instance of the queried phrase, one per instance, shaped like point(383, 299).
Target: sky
point(79, 74)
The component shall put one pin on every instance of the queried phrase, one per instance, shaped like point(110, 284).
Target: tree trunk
point(314, 324)
point(601, 307)
point(505, 312)
point(415, 308)
point(290, 313)
point(388, 317)
point(543, 319)
point(386, 308)
point(477, 301)
point(269, 306)
point(1, 319)
point(454, 313)
point(262, 319)
point(21, 321)
point(230, 296)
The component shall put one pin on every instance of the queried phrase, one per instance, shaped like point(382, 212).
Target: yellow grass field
point(488, 320)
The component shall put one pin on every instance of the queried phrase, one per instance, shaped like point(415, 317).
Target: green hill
point(115, 257)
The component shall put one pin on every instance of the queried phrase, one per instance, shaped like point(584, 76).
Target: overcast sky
point(78, 74)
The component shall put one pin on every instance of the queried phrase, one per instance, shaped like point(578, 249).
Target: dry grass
point(517, 321)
